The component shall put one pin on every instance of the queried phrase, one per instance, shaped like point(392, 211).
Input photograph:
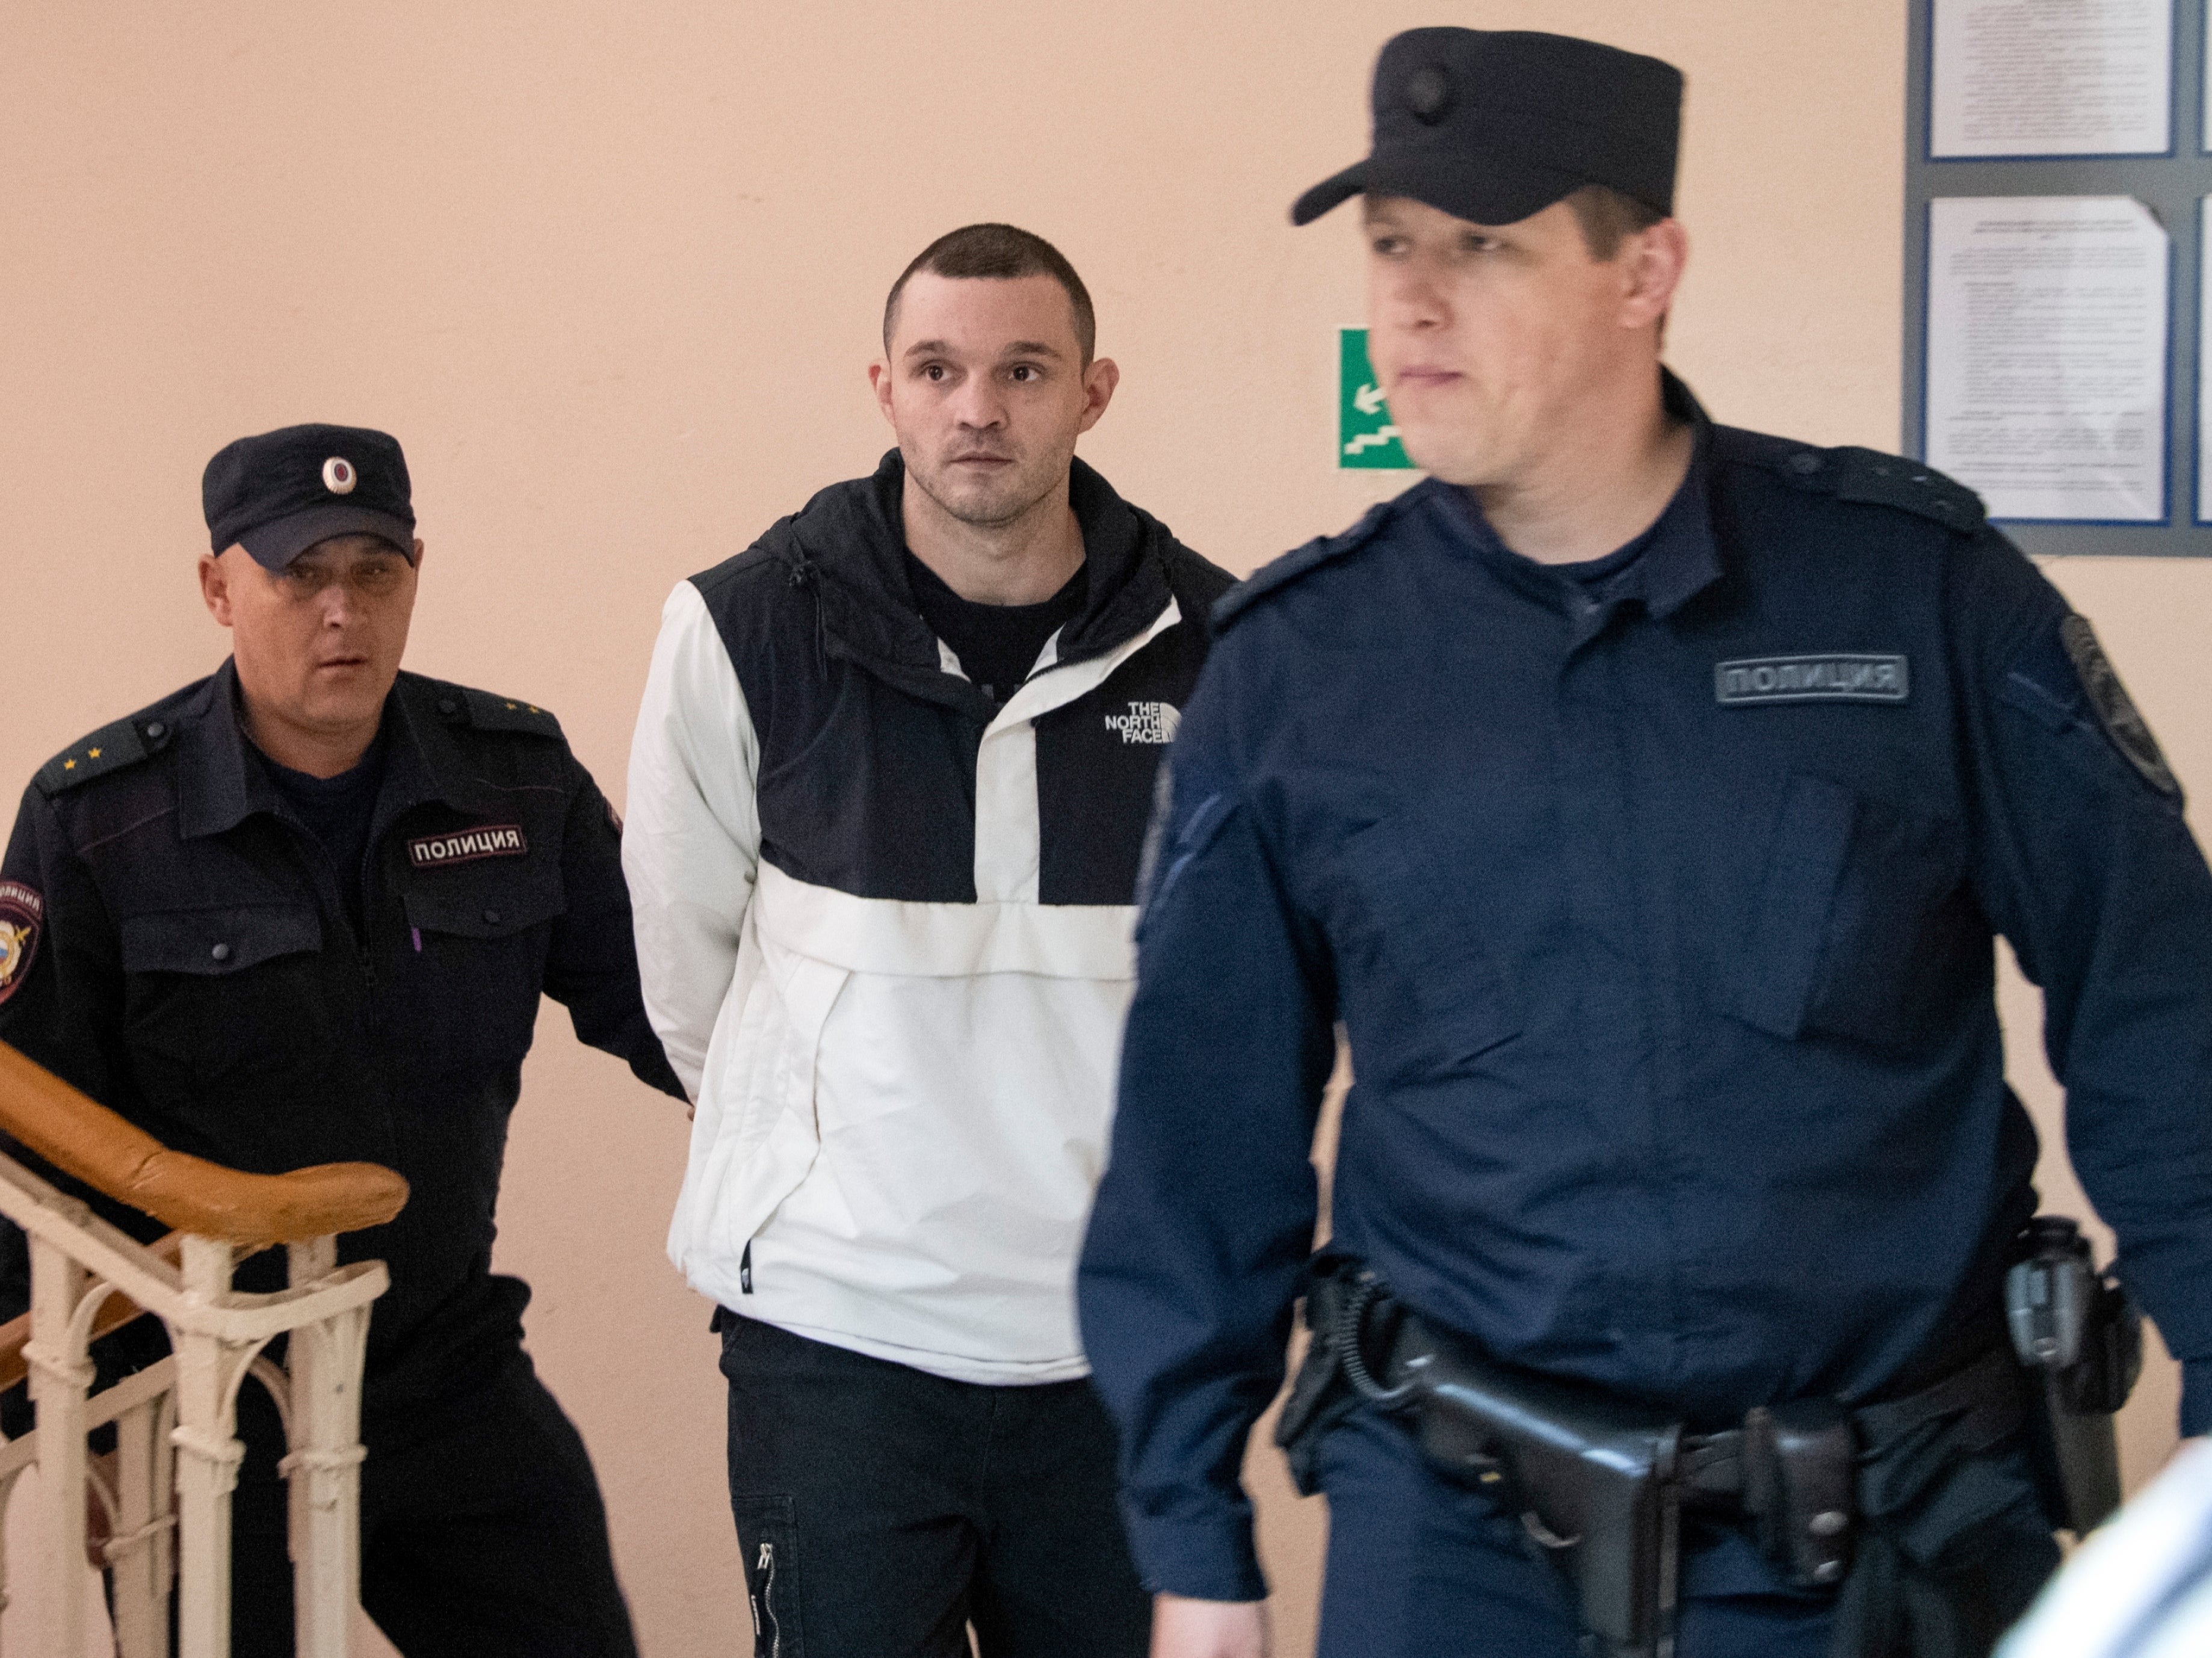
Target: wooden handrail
point(82, 1138)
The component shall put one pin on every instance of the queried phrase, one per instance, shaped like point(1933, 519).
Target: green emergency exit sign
point(1365, 437)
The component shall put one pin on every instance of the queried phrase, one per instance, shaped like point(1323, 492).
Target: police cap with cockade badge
point(279, 494)
point(1491, 126)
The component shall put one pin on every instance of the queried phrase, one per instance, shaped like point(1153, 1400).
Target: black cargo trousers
point(881, 1510)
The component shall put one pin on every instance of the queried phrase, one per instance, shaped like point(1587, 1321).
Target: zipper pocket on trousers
point(774, 1571)
point(768, 1631)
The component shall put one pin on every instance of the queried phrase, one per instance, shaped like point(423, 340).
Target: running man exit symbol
point(1365, 437)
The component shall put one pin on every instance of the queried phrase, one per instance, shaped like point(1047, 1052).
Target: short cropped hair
point(1608, 218)
point(998, 252)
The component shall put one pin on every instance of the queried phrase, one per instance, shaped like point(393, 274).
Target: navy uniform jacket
point(196, 971)
point(1660, 918)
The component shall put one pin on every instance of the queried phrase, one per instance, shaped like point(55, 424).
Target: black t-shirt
point(338, 811)
point(1610, 577)
point(997, 644)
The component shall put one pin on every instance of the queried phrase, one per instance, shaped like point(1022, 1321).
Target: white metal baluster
point(165, 1493)
point(7, 1494)
point(141, 1594)
point(60, 1375)
point(208, 1369)
point(168, 1499)
point(325, 1359)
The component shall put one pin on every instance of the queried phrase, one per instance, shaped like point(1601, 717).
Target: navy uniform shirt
point(194, 967)
point(1659, 910)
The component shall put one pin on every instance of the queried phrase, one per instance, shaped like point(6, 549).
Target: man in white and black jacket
point(888, 799)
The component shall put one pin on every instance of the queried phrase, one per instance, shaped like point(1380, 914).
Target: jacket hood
point(846, 545)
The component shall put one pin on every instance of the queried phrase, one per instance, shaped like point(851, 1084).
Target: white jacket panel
point(901, 1107)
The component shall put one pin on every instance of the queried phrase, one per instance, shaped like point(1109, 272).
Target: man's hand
point(1184, 1628)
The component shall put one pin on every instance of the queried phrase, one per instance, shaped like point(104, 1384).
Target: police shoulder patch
point(1872, 478)
point(2116, 710)
point(22, 912)
point(110, 748)
point(488, 711)
point(1281, 572)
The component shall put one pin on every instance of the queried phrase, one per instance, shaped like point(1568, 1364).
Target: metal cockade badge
point(1429, 93)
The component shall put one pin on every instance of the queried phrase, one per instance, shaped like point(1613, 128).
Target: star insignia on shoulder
point(111, 749)
point(489, 711)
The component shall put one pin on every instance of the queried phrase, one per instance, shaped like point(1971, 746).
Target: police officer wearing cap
point(302, 912)
point(1643, 797)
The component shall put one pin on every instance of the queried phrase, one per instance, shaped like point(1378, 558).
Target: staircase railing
point(165, 1495)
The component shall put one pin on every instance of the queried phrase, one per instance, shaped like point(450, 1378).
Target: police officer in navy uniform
point(1643, 797)
point(301, 912)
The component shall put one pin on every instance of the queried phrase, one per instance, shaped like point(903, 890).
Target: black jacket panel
point(868, 745)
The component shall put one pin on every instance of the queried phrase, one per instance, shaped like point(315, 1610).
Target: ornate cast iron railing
point(163, 1497)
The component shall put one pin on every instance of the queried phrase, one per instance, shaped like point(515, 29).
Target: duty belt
point(1601, 1485)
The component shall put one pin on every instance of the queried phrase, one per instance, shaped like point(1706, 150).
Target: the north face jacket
point(885, 926)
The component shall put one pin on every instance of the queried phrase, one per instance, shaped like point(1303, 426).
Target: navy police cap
point(1491, 126)
point(279, 494)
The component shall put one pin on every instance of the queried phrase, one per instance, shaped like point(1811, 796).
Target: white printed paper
point(2050, 77)
point(2046, 354)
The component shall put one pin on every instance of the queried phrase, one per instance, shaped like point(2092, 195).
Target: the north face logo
point(1146, 722)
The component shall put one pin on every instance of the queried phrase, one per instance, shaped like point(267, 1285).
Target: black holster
point(2079, 1337)
point(1600, 1484)
point(1594, 1481)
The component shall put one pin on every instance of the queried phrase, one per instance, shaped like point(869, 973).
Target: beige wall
point(611, 272)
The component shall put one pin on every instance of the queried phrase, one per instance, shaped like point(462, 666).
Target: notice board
point(2056, 168)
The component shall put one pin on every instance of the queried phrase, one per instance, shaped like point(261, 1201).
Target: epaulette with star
point(111, 749)
point(488, 711)
point(1872, 478)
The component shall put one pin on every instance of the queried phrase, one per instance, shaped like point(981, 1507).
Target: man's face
point(985, 384)
point(318, 644)
point(1489, 341)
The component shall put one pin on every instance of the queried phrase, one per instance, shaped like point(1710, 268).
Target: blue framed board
point(2172, 187)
